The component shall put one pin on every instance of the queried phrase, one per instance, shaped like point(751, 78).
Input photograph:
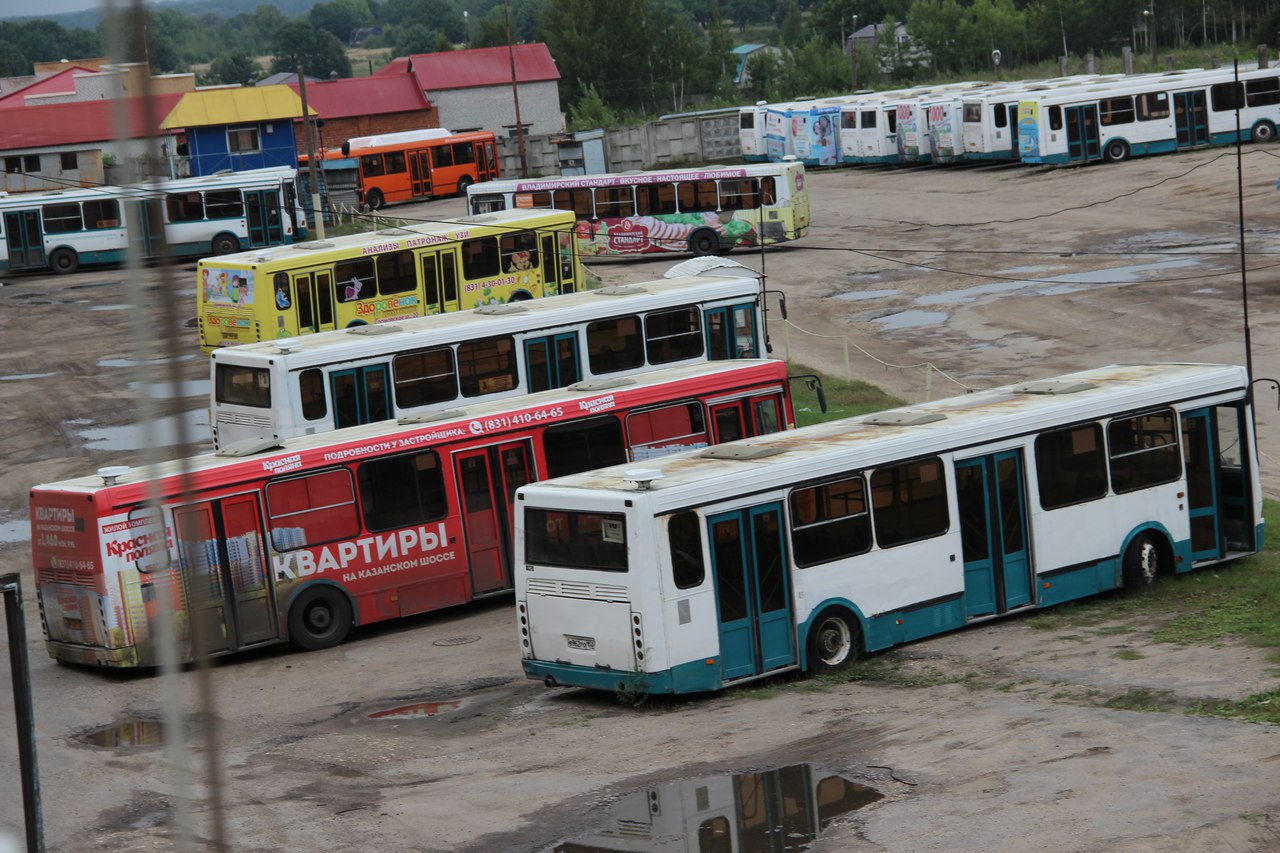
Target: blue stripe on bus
point(692, 677)
point(1077, 581)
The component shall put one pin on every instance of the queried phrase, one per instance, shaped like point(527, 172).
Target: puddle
point(866, 294)
point(16, 376)
point(418, 709)
point(457, 641)
point(910, 320)
point(169, 390)
point(161, 432)
point(120, 307)
point(780, 811)
point(16, 530)
point(1060, 284)
point(129, 362)
point(131, 734)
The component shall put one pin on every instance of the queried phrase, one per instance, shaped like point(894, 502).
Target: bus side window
point(430, 281)
point(371, 166)
point(355, 279)
point(395, 162)
point(697, 196)
point(519, 251)
point(673, 335)
point(441, 155)
point(396, 273)
point(910, 502)
point(464, 152)
point(768, 191)
point(583, 446)
point(402, 490)
point(551, 270)
point(480, 258)
point(1055, 118)
point(487, 366)
point(312, 509)
point(311, 393)
point(579, 201)
point(425, 376)
point(449, 277)
point(615, 344)
point(684, 535)
point(664, 430)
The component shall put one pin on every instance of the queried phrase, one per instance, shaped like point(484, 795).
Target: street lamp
point(1150, 14)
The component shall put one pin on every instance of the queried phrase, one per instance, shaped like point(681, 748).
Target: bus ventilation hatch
point(1054, 386)
point(903, 417)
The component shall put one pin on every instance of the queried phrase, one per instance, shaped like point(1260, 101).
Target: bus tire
point(225, 244)
point(835, 641)
point(64, 260)
point(1263, 131)
point(374, 199)
point(464, 182)
point(520, 296)
point(1117, 151)
point(704, 242)
point(1141, 564)
point(319, 618)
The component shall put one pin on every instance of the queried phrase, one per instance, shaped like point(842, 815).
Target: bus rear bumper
point(92, 655)
point(696, 677)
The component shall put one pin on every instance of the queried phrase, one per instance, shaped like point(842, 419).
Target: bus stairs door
point(993, 533)
point(1190, 118)
point(420, 173)
point(753, 591)
point(553, 361)
point(262, 215)
point(229, 591)
point(488, 478)
point(146, 227)
point(25, 237)
point(1203, 499)
point(1083, 142)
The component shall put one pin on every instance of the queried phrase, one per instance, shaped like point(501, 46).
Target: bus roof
point(394, 239)
point(816, 452)
point(700, 173)
point(249, 177)
point(362, 341)
point(599, 396)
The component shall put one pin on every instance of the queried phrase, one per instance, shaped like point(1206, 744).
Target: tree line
point(629, 59)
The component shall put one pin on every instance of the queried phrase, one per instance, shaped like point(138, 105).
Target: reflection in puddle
point(778, 811)
point(169, 390)
point(13, 376)
point(418, 709)
point(121, 307)
point(127, 735)
point(129, 362)
point(910, 320)
point(17, 530)
point(866, 294)
point(1059, 284)
point(163, 432)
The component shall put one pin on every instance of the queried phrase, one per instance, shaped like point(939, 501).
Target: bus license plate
point(582, 644)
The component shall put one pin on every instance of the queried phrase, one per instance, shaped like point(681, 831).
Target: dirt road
point(423, 735)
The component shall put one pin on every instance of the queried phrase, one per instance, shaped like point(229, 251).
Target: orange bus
point(419, 164)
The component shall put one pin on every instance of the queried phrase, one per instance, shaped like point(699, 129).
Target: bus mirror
point(148, 543)
point(782, 302)
point(346, 148)
point(814, 383)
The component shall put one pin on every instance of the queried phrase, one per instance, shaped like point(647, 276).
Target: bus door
point(313, 301)
point(753, 591)
point(488, 478)
point(1217, 484)
point(440, 281)
point(420, 172)
point(25, 239)
point(146, 226)
point(993, 533)
point(1190, 118)
point(552, 361)
point(731, 332)
point(486, 161)
point(230, 598)
point(361, 395)
point(1014, 154)
point(1083, 143)
point(262, 212)
point(745, 417)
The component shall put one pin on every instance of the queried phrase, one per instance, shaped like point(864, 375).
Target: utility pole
point(316, 213)
point(515, 93)
point(853, 55)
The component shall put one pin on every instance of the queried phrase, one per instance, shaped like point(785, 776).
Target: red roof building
point(366, 106)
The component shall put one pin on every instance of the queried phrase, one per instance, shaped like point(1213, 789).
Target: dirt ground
point(995, 738)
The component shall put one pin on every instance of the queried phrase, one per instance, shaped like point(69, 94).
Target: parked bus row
point(705, 211)
point(1064, 120)
point(806, 550)
point(330, 380)
point(301, 539)
point(63, 230)
point(385, 276)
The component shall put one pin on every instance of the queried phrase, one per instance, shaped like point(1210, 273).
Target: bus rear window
point(575, 540)
point(243, 386)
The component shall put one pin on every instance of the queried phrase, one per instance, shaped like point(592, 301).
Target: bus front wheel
point(1264, 131)
point(1141, 564)
point(225, 244)
point(374, 199)
point(704, 242)
point(1116, 151)
point(464, 182)
point(64, 261)
point(835, 641)
point(320, 618)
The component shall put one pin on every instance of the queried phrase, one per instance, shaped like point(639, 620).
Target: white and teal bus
point(1148, 114)
point(217, 214)
point(282, 388)
point(806, 549)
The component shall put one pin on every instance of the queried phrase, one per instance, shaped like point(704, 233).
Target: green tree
point(490, 30)
point(591, 112)
point(443, 44)
point(604, 43)
point(318, 52)
point(436, 14)
point(234, 67)
point(818, 68)
point(792, 29)
point(765, 76)
point(415, 38)
point(341, 18)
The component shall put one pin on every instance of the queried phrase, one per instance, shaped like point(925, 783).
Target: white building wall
point(493, 108)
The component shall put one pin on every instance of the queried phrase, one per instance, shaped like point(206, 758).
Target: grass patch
point(845, 399)
point(1259, 708)
point(1142, 699)
point(1129, 654)
point(895, 672)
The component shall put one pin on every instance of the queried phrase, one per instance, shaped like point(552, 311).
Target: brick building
point(365, 106)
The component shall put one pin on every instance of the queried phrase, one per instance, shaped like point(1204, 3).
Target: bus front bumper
point(92, 655)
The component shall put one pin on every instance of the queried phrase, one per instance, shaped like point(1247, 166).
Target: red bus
point(302, 540)
point(419, 164)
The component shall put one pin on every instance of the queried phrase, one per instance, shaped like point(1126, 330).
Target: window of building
point(68, 161)
point(243, 140)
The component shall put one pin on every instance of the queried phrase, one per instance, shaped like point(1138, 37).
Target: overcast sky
point(44, 8)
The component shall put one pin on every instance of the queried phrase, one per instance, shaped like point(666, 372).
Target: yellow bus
point(387, 275)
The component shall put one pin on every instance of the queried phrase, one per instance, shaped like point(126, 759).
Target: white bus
point(869, 128)
point(330, 380)
point(990, 116)
point(751, 132)
point(212, 215)
point(807, 549)
point(703, 211)
point(813, 131)
point(1148, 114)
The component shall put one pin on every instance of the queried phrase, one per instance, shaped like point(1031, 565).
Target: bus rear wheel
point(64, 261)
point(704, 242)
point(1264, 131)
point(1116, 151)
point(1141, 564)
point(320, 618)
point(374, 199)
point(225, 244)
point(464, 182)
point(835, 642)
